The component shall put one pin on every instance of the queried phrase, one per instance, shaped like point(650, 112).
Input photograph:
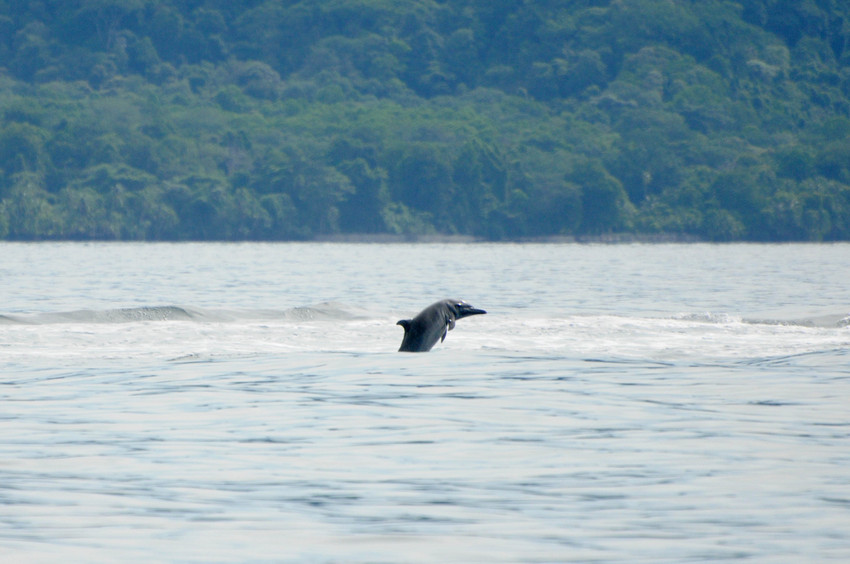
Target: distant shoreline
point(612, 238)
point(382, 238)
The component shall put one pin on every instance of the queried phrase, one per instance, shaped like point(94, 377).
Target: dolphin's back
point(411, 341)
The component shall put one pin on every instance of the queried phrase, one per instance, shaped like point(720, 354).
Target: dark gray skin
point(433, 323)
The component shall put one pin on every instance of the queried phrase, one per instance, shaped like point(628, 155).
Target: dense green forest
point(286, 119)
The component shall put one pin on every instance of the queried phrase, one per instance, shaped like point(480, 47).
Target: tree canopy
point(296, 119)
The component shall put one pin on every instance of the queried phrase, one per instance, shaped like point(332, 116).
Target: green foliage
point(275, 120)
point(606, 207)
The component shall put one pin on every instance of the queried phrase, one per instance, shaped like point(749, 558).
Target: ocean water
point(246, 403)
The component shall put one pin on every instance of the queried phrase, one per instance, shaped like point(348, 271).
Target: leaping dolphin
point(433, 323)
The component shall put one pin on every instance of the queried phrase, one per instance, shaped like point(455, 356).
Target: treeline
point(284, 119)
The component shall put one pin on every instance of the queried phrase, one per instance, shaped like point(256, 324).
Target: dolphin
point(433, 323)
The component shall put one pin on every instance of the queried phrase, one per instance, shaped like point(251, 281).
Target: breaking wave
point(708, 317)
point(824, 321)
point(322, 311)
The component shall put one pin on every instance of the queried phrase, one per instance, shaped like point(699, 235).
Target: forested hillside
point(283, 119)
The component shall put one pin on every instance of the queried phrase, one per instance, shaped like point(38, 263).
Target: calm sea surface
point(245, 402)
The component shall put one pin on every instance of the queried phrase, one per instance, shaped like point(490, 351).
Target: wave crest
point(708, 317)
point(822, 321)
point(318, 312)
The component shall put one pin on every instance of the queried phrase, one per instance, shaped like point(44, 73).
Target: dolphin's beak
point(466, 312)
